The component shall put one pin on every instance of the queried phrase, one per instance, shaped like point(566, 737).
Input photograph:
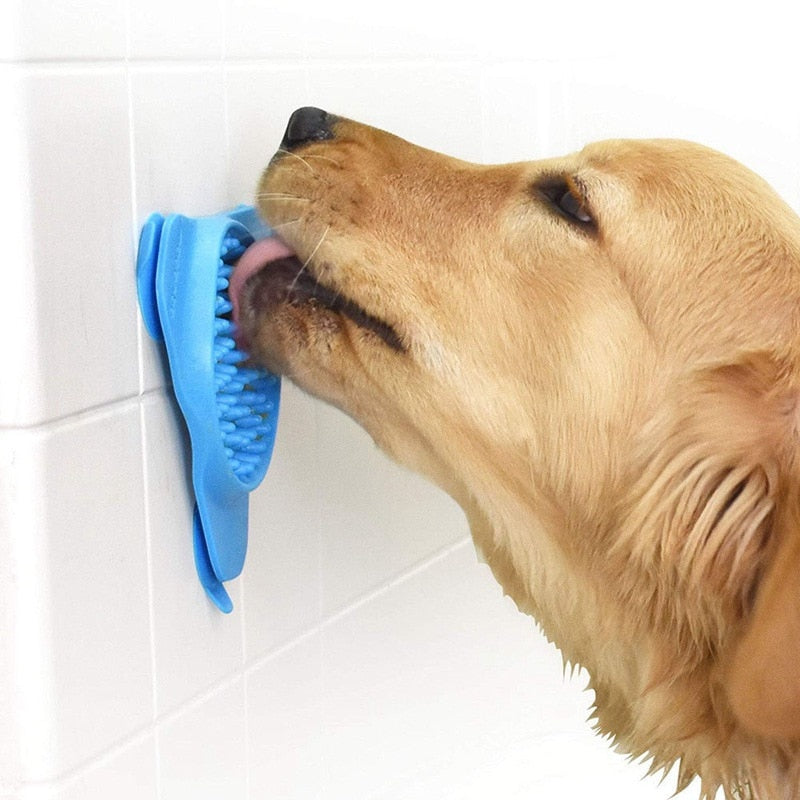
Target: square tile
point(282, 592)
point(202, 750)
point(81, 625)
point(440, 656)
point(377, 519)
point(180, 147)
point(346, 32)
point(127, 773)
point(17, 324)
point(196, 645)
point(179, 160)
point(183, 29)
point(435, 108)
point(353, 29)
point(81, 29)
point(267, 31)
point(82, 351)
point(285, 725)
point(260, 100)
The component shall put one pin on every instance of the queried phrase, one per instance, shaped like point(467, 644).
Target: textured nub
point(246, 414)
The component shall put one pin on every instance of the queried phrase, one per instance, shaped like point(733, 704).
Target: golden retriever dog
point(598, 357)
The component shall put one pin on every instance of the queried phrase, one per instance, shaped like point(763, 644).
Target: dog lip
point(287, 281)
point(336, 302)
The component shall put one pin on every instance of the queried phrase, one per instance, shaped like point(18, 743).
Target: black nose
point(307, 124)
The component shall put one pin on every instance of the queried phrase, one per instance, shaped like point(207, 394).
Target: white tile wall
point(202, 750)
point(443, 114)
point(177, 31)
point(283, 579)
point(369, 656)
point(129, 771)
point(80, 665)
point(20, 360)
point(80, 319)
point(183, 624)
point(65, 31)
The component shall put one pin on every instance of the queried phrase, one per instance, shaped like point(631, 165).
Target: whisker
point(302, 160)
point(323, 158)
point(308, 260)
point(284, 224)
point(280, 196)
point(297, 278)
point(309, 156)
point(319, 244)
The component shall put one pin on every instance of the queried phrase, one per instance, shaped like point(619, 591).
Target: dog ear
point(708, 491)
point(722, 495)
point(762, 680)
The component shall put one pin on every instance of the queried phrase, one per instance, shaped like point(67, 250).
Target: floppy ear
point(763, 675)
point(707, 494)
point(763, 681)
point(723, 495)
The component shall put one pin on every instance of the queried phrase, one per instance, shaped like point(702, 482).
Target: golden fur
point(610, 393)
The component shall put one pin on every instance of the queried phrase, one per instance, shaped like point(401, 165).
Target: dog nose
point(307, 124)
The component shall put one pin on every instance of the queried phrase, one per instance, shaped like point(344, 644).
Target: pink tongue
point(257, 256)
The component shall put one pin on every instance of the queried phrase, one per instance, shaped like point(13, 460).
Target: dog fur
point(598, 357)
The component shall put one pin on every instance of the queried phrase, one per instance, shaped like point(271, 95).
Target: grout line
point(296, 61)
point(139, 735)
point(324, 755)
point(75, 773)
point(247, 753)
point(336, 616)
point(140, 349)
point(231, 679)
point(140, 332)
point(86, 414)
point(398, 580)
point(319, 541)
point(148, 535)
point(206, 694)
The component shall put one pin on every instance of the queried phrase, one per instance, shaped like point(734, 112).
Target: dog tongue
point(255, 258)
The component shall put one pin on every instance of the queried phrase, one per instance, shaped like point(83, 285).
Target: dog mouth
point(270, 275)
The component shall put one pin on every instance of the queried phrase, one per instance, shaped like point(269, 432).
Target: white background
point(369, 654)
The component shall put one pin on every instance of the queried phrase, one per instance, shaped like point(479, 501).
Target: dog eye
point(572, 206)
point(562, 195)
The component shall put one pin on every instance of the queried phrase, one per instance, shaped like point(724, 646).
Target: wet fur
point(613, 404)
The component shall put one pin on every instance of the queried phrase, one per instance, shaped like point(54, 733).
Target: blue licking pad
point(230, 407)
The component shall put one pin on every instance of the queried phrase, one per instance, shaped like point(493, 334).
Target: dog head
point(597, 356)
